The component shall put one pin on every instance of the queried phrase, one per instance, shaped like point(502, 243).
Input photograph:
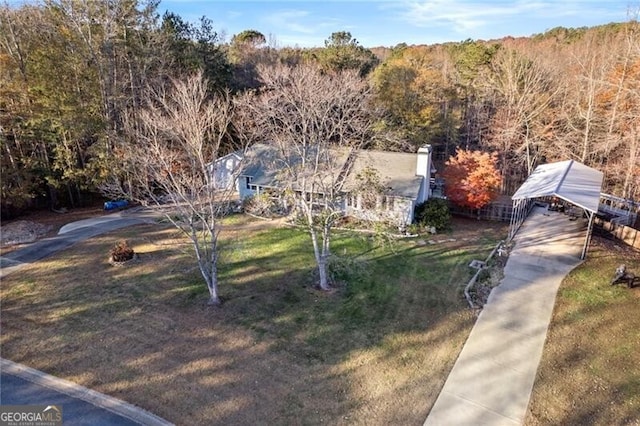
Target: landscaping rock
point(129, 262)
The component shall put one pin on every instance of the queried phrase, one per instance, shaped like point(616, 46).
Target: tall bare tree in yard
point(620, 101)
point(315, 121)
point(166, 161)
point(521, 92)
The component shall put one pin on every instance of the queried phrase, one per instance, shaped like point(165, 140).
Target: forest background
point(71, 71)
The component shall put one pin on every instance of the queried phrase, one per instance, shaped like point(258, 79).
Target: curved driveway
point(492, 379)
point(21, 385)
point(69, 235)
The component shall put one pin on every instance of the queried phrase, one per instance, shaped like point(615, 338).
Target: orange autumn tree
point(472, 178)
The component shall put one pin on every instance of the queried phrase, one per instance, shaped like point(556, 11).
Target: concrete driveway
point(69, 235)
point(492, 379)
point(20, 385)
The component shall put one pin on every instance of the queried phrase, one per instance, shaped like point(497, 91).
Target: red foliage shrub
point(472, 178)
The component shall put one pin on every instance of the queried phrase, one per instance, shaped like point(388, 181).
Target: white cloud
point(465, 15)
point(290, 20)
point(458, 15)
point(301, 27)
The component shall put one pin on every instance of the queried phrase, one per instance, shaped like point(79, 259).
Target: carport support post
point(515, 213)
point(518, 215)
point(588, 237)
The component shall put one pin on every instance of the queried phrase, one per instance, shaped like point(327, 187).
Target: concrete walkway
point(21, 385)
point(491, 381)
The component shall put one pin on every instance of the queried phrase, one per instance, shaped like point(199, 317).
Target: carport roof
point(572, 181)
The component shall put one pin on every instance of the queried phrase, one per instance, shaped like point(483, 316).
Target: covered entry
point(568, 180)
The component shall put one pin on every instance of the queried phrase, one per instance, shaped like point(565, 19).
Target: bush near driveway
point(376, 349)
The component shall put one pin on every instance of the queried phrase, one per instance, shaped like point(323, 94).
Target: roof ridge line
point(564, 176)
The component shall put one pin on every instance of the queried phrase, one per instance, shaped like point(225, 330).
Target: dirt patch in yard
point(22, 231)
point(35, 225)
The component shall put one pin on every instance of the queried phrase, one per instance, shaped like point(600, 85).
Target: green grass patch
point(277, 351)
point(590, 367)
point(377, 288)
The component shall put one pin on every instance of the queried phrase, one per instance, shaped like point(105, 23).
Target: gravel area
point(34, 225)
point(22, 231)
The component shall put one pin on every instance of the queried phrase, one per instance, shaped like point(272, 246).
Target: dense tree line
point(564, 94)
point(69, 72)
point(72, 71)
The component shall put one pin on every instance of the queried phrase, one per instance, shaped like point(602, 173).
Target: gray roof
point(569, 180)
point(265, 163)
point(397, 172)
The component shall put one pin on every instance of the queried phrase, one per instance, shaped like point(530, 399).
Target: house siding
point(244, 192)
point(399, 212)
point(223, 171)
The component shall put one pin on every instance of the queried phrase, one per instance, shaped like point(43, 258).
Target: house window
point(248, 183)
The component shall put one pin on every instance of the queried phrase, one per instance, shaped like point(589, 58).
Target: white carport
point(568, 180)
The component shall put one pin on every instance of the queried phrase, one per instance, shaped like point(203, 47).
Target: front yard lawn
point(374, 351)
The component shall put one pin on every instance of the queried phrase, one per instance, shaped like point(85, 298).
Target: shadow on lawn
point(590, 369)
point(376, 350)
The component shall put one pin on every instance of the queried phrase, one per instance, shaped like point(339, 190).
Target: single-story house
point(407, 178)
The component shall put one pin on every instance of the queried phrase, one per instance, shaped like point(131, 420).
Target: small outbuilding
point(570, 181)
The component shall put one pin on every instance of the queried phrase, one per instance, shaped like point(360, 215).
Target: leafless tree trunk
point(580, 122)
point(166, 161)
point(621, 108)
point(522, 92)
point(314, 121)
point(632, 175)
point(631, 183)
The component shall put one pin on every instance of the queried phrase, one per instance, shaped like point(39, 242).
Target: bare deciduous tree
point(521, 92)
point(315, 122)
point(622, 109)
point(579, 123)
point(172, 143)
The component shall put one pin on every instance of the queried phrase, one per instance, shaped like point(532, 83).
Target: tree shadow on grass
point(590, 368)
point(278, 351)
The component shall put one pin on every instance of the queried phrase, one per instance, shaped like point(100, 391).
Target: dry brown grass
point(277, 352)
point(590, 368)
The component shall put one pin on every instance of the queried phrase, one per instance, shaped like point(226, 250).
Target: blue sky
point(387, 23)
